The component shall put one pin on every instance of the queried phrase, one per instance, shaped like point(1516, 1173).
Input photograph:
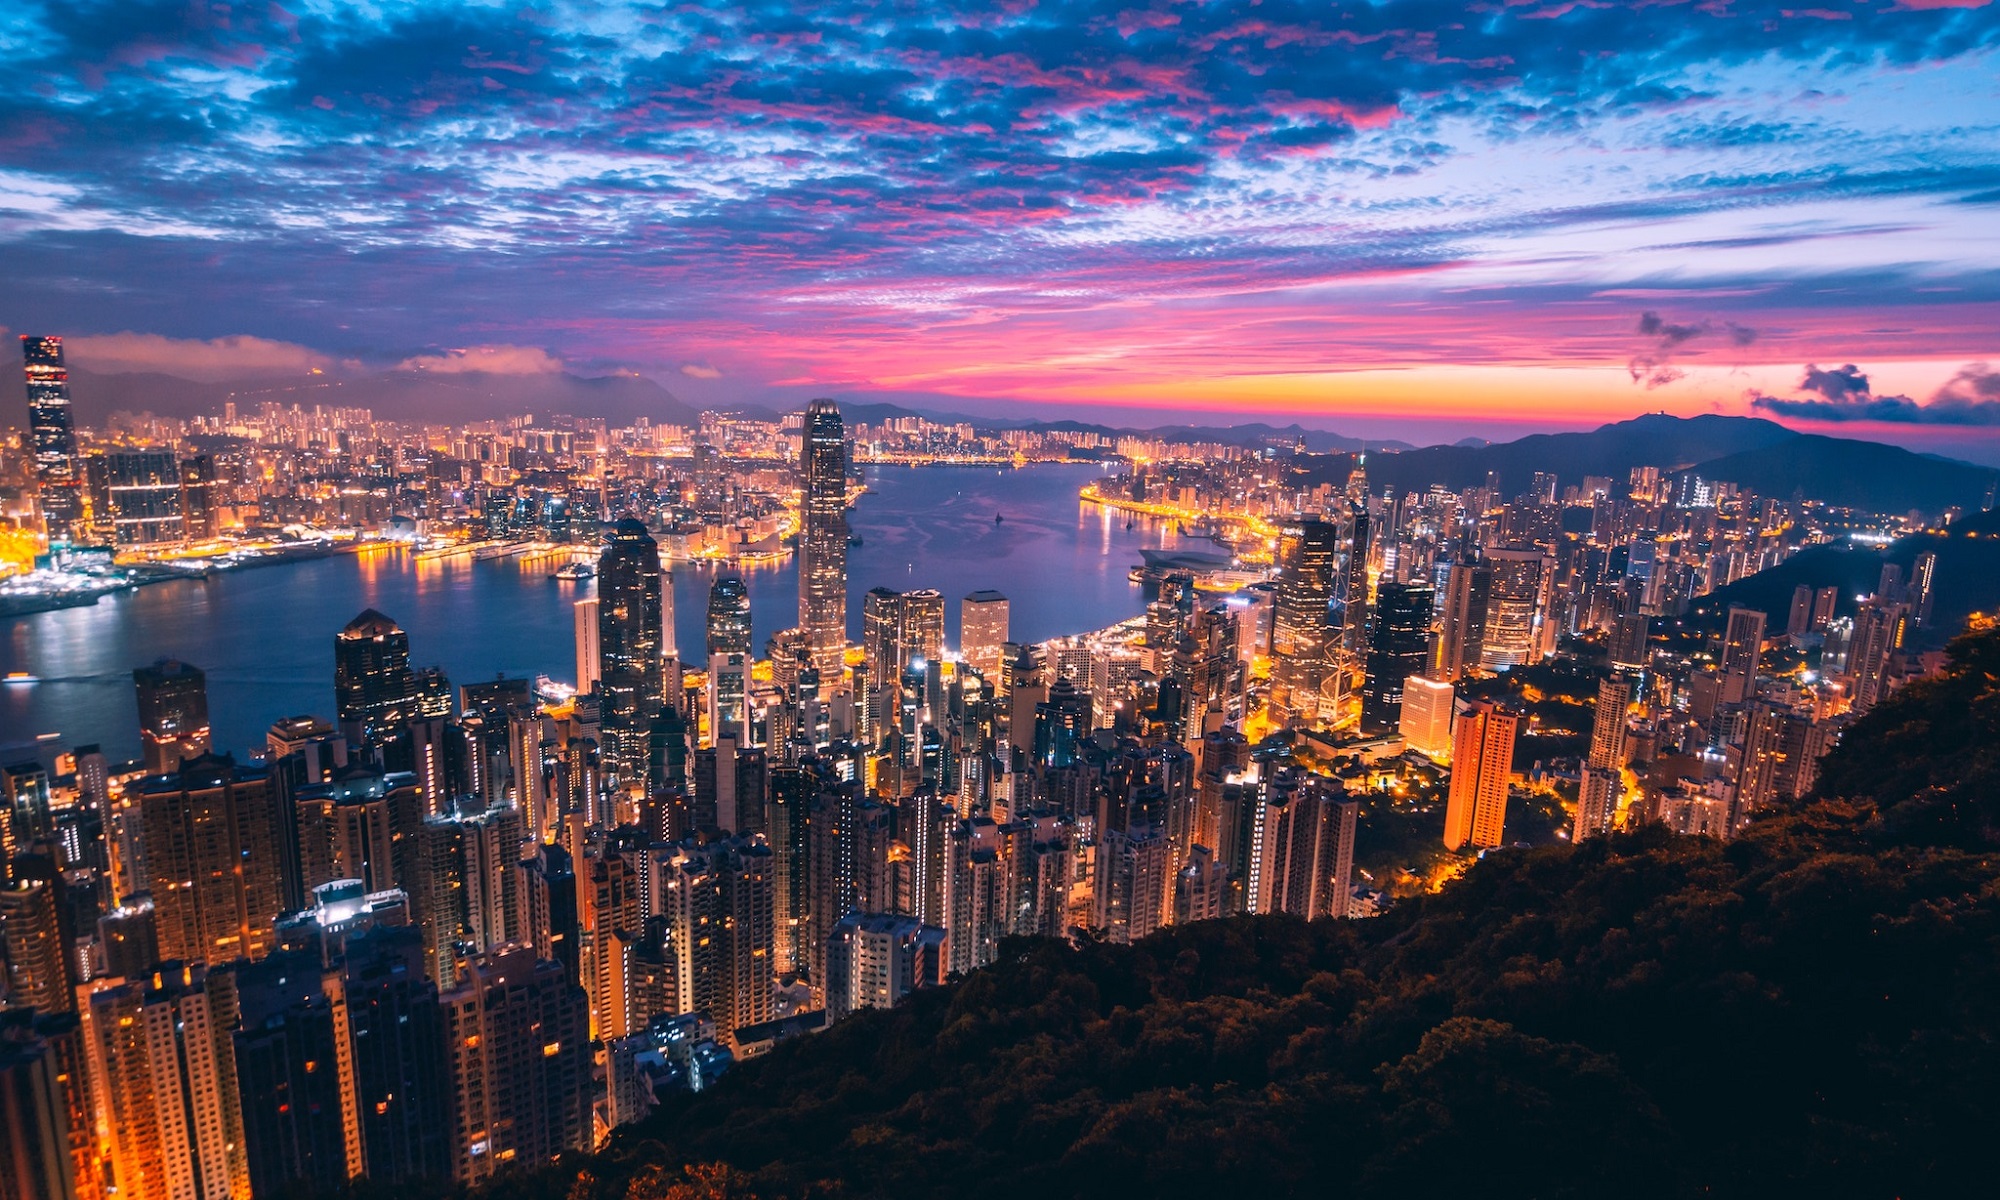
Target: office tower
point(26, 800)
point(876, 959)
point(831, 845)
point(140, 498)
point(375, 692)
point(982, 632)
point(52, 440)
point(728, 617)
point(1799, 622)
point(923, 627)
point(792, 790)
point(41, 1093)
point(1923, 579)
point(1628, 647)
point(1462, 639)
point(173, 714)
point(1301, 846)
point(823, 539)
point(162, 1063)
point(466, 901)
point(294, 1076)
point(1309, 551)
point(38, 958)
point(1607, 728)
point(719, 904)
point(1426, 720)
point(631, 639)
point(1597, 802)
point(402, 1084)
point(589, 658)
point(1514, 611)
point(1482, 756)
point(882, 633)
point(212, 858)
point(1061, 724)
point(200, 505)
point(1399, 647)
point(1134, 876)
point(728, 697)
point(1351, 597)
point(1742, 650)
point(517, 1033)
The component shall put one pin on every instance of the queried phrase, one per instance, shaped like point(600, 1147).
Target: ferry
point(21, 678)
point(574, 571)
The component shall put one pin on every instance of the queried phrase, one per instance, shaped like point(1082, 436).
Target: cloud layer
point(1971, 398)
point(1092, 199)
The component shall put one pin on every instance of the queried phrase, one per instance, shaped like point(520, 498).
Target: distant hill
point(1612, 450)
point(1863, 475)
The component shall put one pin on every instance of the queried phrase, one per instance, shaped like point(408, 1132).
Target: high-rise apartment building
point(589, 658)
point(213, 859)
point(823, 539)
point(1426, 719)
point(631, 641)
point(1742, 651)
point(517, 1038)
point(1482, 756)
point(876, 959)
point(173, 714)
point(52, 440)
point(1133, 887)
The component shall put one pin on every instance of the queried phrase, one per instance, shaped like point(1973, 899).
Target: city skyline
point(1387, 219)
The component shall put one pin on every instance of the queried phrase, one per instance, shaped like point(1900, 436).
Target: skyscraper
point(1468, 592)
point(518, 1042)
point(630, 638)
point(173, 714)
point(1426, 718)
point(1514, 612)
point(212, 857)
point(375, 691)
point(1742, 650)
point(1482, 756)
point(728, 617)
point(589, 659)
point(823, 539)
point(1399, 647)
point(982, 632)
point(1309, 550)
point(52, 439)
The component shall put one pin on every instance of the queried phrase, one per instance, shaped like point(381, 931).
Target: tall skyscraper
point(1482, 756)
point(982, 632)
point(173, 714)
point(52, 440)
point(401, 1081)
point(630, 637)
point(728, 617)
point(1607, 729)
point(375, 691)
point(1514, 612)
point(589, 658)
point(1462, 640)
point(823, 539)
point(1400, 645)
point(1309, 551)
point(42, 1096)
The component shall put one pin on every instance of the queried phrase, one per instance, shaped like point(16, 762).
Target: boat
point(574, 571)
point(21, 677)
point(854, 540)
point(997, 518)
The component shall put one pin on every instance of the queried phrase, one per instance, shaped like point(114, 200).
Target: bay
point(265, 636)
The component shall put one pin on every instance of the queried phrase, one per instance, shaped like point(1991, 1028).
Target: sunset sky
point(1408, 217)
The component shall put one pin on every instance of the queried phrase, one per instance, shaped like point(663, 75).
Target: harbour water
point(265, 637)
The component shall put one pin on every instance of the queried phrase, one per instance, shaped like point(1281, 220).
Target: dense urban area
point(445, 932)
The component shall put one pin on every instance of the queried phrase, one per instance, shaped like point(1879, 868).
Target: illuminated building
point(1607, 728)
point(1130, 893)
point(39, 974)
point(47, 1143)
point(728, 617)
point(1462, 637)
point(1514, 610)
point(1742, 650)
point(1597, 803)
point(173, 714)
point(719, 901)
point(1426, 718)
point(1301, 846)
point(1482, 756)
point(365, 825)
point(876, 959)
point(139, 495)
point(374, 689)
point(517, 1039)
point(1400, 646)
point(589, 659)
point(631, 642)
point(212, 857)
point(294, 1076)
point(466, 901)
point(52, 439)
point(823, 539)
point(1309, 551)
point(162, 1065)
point(402, 1086)
point(982, 632)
